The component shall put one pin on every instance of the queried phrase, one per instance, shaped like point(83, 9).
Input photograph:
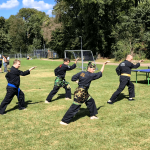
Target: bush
point(119, 55)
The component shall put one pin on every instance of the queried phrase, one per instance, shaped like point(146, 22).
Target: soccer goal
point(84, 55)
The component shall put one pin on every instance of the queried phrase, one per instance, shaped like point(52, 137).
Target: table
point(147, 71)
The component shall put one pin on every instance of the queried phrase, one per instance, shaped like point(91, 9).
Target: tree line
point(112, 28)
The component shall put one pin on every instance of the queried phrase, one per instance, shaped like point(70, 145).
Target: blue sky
point(12, 7)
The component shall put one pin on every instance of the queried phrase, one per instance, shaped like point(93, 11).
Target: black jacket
point(85, 78)
point(61, 70)
point(125, 67)
point(13, 76)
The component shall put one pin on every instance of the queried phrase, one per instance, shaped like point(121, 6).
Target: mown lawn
point(122, 126)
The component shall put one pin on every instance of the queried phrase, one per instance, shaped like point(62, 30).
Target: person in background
point(8, 63)
point(5, 63)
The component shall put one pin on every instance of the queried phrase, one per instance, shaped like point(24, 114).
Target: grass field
point(122, 126)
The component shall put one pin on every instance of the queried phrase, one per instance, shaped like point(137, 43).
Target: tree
point(5, 42)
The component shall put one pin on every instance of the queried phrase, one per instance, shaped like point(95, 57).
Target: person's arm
point(102, 69)
point(32, 68)
point(24, 73)
point(75, 77)
point(76, 60)
point(118, 70)
point(73, 66)
point(137, 65)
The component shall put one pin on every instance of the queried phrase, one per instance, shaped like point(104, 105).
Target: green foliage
point(106, 26)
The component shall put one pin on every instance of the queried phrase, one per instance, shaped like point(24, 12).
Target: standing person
point(124, 71)
point(13, 78)
point(8, 58)
point(60, 81)
point(1, 63)
point(81, 94)
point(5, 63)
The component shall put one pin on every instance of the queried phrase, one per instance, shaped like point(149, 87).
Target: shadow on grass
point(141, 82)
point(29, 102)
point(121, 97)
point(59, 97)
point(82, 113)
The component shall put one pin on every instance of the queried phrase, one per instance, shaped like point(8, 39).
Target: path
point(115, 64)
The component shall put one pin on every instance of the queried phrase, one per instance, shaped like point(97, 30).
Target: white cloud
point(49, 12)
point(9, 4)
point(39, 5)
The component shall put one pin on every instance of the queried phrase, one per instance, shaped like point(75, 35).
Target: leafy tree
point(5, 42)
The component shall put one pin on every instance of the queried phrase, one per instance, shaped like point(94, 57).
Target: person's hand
point(32, 68)
point(76, 60)
point(106, 62)
point(77, 81)
point(141, 61)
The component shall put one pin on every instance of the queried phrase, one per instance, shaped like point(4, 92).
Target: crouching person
point(13, 78)
point(81, 94)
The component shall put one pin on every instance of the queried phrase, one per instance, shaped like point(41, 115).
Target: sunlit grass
point(124, 125)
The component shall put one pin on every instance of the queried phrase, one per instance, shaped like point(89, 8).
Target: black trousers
point(75, 108)
point(56, 89)
point(124, 80)
point(11, 92)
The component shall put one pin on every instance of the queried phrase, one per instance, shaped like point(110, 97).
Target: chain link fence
point(36, 54)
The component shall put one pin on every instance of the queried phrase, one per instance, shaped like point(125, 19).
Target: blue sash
point(14, 87)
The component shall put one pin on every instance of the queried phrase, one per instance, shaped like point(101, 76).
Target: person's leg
point(90, 103)
point(131, 90)
point(0, 68)
point(68, 91)
point(5, 67)
point(70, 113)
point(123, 83)
point(21, 100)
point(52, 93)
point(8, 98)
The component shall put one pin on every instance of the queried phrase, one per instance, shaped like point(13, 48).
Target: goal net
point(84, 57)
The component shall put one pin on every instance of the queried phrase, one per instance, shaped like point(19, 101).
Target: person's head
point(91, 67)
point(66, 61)
point(16, 63)
point(129, 58)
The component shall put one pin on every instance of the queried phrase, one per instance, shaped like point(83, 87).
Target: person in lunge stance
point(13, 78)
point(81, 94)
point(124, 71)
point(60, 81)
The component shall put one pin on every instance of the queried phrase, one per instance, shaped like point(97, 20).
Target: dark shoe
point(109, 102)
point(131, 99)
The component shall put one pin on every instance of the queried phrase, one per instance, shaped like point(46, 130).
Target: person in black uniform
point(124, 71)
point(13, 78)
point(60, 72)
point(81, 94)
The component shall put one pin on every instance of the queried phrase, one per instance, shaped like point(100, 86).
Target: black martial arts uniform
point(13, 78)
point(124, 70)
point(60, 72)
point(81, 95)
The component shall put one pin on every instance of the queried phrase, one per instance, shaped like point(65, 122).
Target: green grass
point(122, 126)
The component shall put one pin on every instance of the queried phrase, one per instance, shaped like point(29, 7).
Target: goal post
point(84, 55)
